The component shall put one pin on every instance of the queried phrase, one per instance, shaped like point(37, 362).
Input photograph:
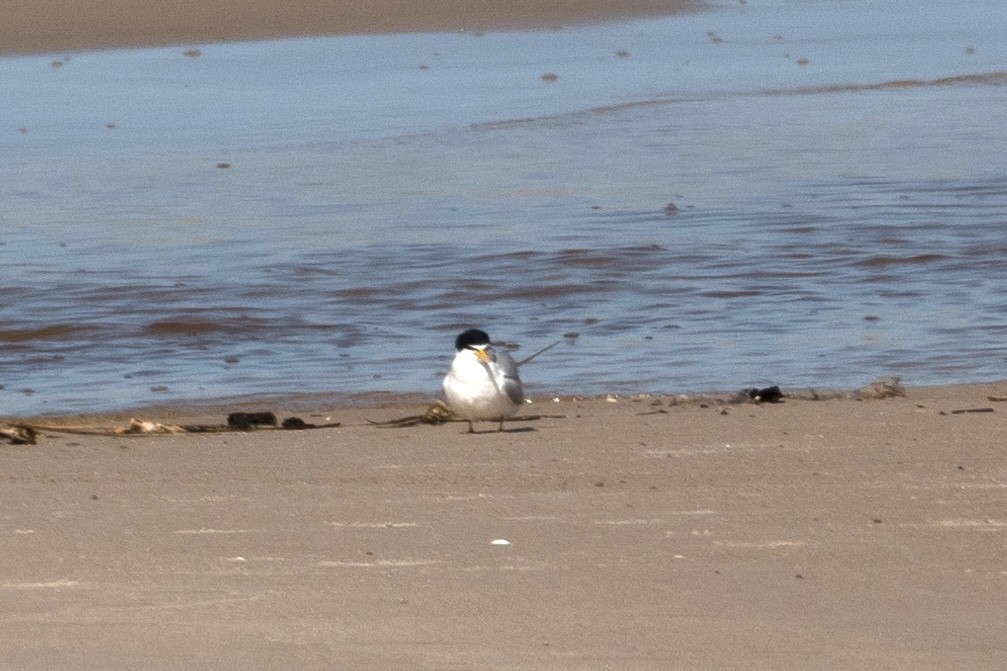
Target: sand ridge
point(68, 25)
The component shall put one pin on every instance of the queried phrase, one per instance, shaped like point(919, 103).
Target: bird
point(483, 383)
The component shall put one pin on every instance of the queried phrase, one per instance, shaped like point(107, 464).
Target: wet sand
point(642, 535)
point(68, 25)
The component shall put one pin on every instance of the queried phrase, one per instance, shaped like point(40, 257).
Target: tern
point(483, 383)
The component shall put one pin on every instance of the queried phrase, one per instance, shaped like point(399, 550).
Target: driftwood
point(17, 435)
point(437, 413)
point(888, 387)
point(27, 434)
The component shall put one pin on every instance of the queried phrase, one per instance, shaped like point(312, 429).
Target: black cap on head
point(471, 339)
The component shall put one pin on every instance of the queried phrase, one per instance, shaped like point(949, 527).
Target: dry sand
point(807, 534)
point(63, 25)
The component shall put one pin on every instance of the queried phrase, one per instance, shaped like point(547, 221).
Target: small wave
point(49, 332)
point(614, 258)
point(998, 78)
point(975, 79)
point(887, 260)
point(739, 293)
point(543, 291)
point(180, 327)
point(200, 327)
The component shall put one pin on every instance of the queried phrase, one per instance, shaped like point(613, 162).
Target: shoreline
point(55, 26)
point(317, 405)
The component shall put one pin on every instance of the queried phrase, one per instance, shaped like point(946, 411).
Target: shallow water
point(835, 220)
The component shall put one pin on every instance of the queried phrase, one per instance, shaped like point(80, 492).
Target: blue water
point(838, 172)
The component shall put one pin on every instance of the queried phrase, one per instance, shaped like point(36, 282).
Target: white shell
point(500, 541)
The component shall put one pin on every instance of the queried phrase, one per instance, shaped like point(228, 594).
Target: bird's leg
point(500, 429)
point(471, 428)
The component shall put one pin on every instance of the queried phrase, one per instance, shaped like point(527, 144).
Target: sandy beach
point(631, 533)
point(68, 25)
point(641, 534)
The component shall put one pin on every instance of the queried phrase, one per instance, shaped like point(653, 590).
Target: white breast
point(487, 391)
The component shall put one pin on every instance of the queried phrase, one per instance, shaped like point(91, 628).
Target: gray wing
point(511, 381)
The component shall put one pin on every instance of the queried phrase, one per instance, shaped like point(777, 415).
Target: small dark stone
point(295, 424)
point(765, 395)
point(248, 420)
